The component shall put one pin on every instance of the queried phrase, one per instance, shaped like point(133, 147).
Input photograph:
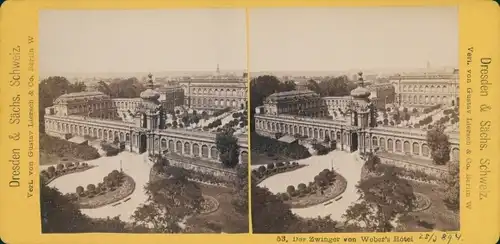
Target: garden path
point(136, 166)
point(347, 164)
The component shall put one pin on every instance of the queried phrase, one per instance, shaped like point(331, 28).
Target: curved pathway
point(135, 165)
point(347, 164)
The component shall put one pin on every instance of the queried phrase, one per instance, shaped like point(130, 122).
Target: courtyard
point(136, 166)
point(346, 164)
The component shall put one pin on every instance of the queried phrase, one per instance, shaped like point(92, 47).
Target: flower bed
point(115, 187)
point(63, 148)
point(209, 205)
point(311, 195)
point(414, 175)
point(53, 173)
point(264, 172)
point(266, 145)
point(422, 202)
point(195, 176)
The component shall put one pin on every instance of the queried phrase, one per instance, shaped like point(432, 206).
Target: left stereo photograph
point(143, 121)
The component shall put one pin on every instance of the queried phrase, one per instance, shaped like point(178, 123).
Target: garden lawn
point(262, 159)
point(436, 217)
point(225, 219)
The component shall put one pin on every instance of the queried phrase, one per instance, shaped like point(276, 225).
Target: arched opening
point(143, 143)
point(354, 142)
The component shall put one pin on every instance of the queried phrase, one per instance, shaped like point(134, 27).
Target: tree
point(372, 162)
point(50, 89)
point(240, 201)
point(59, 214)
point(313, 86)
point(327, 139)
point(271, 215)
point(122, 88)
point(382, 199)
point(170, 200)
point(288, 85)
point(439, 144)
point(228, 148)
point(260, 88)
point(452, 186)
point(79, 190)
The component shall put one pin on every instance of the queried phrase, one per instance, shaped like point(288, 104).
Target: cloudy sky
point(339, 39)
point(104, 41)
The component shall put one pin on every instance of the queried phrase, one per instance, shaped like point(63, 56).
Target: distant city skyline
point(93, 42)
point(382, 39)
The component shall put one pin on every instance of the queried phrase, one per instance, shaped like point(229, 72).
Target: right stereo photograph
point(354, 116)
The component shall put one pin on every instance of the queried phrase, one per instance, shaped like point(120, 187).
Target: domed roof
point(150, 93)
point(360, 92)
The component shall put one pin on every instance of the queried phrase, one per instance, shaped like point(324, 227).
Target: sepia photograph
point(143, 121)
point(354, 119)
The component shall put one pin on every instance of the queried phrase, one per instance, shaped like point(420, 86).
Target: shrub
point(79, 190)
point(84, 164)
point(290, 190)
point(295, 164)
point(109, 183)
point(287, 163)
point(77, 164)
point(285, 197)
point(320, 149)
point(262, 169)
point(51, 169)
point(91, 187)
point(270, 166)
point(69, 165)
point(302, 187)
point(60, 167)
point(279, 164)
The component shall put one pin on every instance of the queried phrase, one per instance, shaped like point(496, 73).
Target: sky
point(314, 39)
point(124, 41)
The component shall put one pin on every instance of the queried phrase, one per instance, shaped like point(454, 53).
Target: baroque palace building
point(357, 131)
point(216, 91)
point(87, 114)
point(427, 89)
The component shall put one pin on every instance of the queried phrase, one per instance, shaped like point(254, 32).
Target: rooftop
point(75, 96)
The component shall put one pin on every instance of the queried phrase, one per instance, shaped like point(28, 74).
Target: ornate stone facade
point(215, 92)
point(91, 104)
point(144, 134)
point(356, 133)
point(427, 89)
point(299, 102)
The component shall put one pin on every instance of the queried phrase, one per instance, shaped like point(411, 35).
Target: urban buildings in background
point(124, 151)
point(349, 134)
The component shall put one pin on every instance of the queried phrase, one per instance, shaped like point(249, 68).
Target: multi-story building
point(215, 92)
point(382, 94)
point(89, 104)
point(337, 103)
point(427, 89)
point(405, 147)
point(144, 133)
point(171, 96)
point(298, 102)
